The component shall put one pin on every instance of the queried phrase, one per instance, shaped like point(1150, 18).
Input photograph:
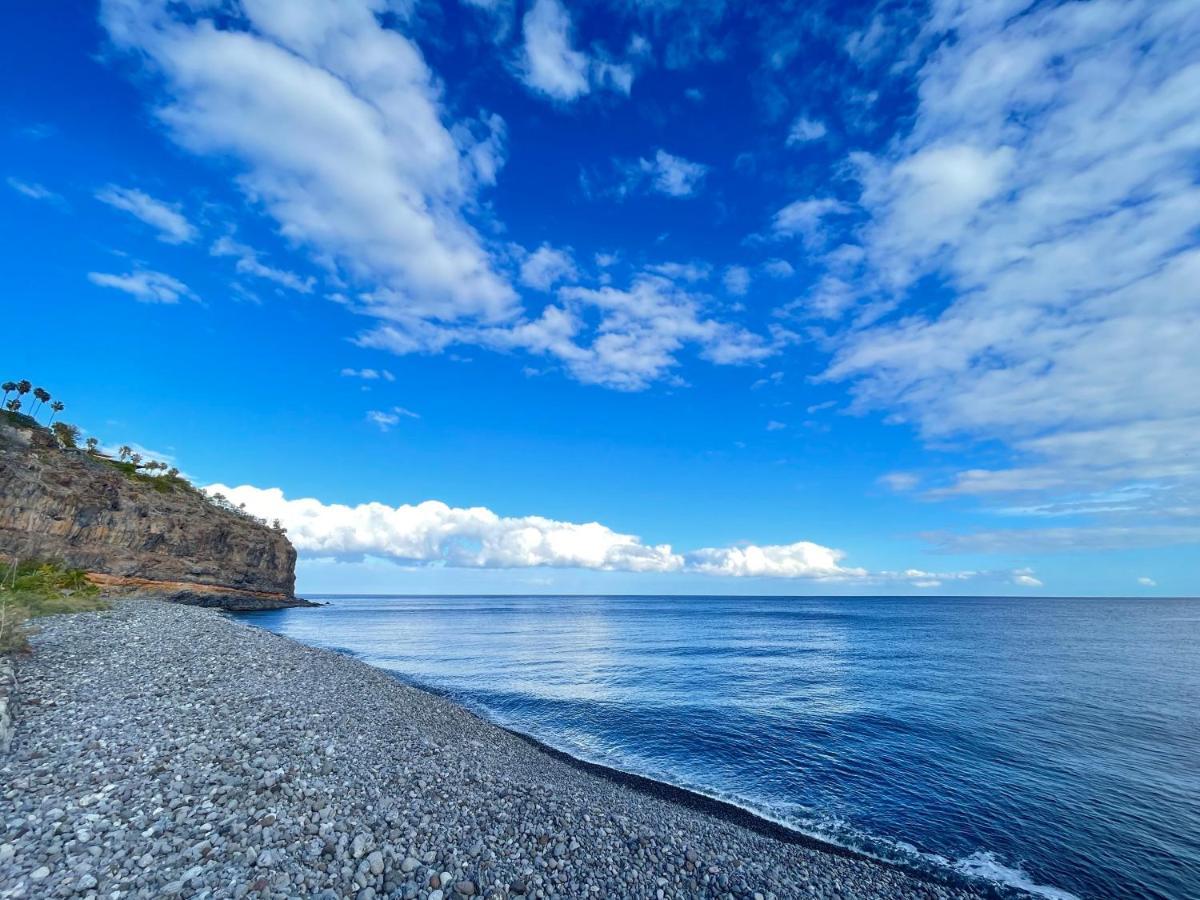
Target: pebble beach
point(162, 750)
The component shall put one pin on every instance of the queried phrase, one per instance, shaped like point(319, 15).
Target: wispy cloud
point(368, 374)
point(249, 263)
point(336, 125)
point(173, 227)
point(33, 190)
point(805, 130)
point(386, 419)
point(1050, 197)
point(145, 286)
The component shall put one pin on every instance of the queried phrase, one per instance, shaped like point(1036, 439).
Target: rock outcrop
point(160, 538)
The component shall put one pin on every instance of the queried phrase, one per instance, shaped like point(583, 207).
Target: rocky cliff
point(160, 536)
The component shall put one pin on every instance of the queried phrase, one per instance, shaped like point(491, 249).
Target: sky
point(630, 297)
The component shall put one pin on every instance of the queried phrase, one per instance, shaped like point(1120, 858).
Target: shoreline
point(690, 798)
point(166, 750)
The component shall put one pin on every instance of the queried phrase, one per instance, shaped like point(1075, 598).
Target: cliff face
point(65, 505)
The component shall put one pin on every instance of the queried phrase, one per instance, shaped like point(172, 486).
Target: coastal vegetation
point(36, 588)
point(125, 459)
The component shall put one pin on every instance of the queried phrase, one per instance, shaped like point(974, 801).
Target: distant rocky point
point(150, 533)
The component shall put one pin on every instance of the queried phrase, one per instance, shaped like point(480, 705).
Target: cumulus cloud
point(145, 286)
point(173, 227)
point(625, 339)
point(1046, 184)
point(248, 263)
point(552, 66)
point(664, 173)
point(1144, 581)
point(547, 266)
point(804, 217)
point(432, 533)
point(800, 560)
point(736, 280)
point(336, 124)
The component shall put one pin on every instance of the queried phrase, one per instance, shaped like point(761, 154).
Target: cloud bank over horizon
point(433, 533)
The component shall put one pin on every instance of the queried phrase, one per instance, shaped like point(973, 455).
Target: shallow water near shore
point(1050, 744)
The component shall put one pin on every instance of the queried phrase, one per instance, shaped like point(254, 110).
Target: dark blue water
point(1053, 744)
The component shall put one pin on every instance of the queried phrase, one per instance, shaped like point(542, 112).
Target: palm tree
point(136, 459)
point(23, 387)
point(9, 387)
point(92, 443)
point(172, 472)
point(41, 395)
point(14, 405)
point(123, 451)
point(55, 408)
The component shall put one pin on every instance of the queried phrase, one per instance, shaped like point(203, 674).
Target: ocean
point(1048, 744)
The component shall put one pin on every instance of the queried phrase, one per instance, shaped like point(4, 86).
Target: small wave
point(982, 865)
point(985, 865)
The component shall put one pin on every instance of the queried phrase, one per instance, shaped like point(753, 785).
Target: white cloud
point(737, 280)
point(776, 426)
point(799, 560)
point(1025, 578)
point(805, 217)
point(805, 130)
point(173, 227)
point(643, 328)
point(900, 482)
point(369, 374)
point(552, 66)
point(248, 263)
point(623, 339)
point(676, 271)
point(779, 268)
point(1147, 582)
point(33, 190)
point(385, 420)
point(436, 534)
point(336, 124)
point(1047, 183)
point(664, 174)
point(547, 266)
point(145, 286)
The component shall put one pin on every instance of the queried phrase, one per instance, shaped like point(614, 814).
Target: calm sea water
point(1051, 744)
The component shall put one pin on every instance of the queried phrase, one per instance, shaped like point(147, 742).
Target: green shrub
point(41, 588)
point(68, 435)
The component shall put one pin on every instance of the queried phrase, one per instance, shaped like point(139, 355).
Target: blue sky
point(620, 296)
